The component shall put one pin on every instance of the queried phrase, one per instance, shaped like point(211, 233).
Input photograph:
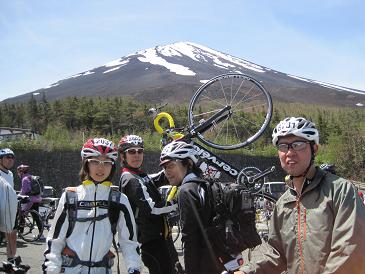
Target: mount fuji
point(174, 72)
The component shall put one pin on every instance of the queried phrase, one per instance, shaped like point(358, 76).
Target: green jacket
point(322, 231)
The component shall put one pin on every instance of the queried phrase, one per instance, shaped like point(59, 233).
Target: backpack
point(37, 186)
point(231, 228)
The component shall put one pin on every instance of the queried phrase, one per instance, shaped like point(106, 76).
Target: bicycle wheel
point(249, 110)
point(28, 229)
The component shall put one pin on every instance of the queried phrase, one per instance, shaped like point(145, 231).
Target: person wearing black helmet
point(148, 206)
point(317, 225)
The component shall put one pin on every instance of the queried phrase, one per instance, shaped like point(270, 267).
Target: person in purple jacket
point(35, 200)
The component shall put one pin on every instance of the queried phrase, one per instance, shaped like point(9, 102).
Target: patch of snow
point(215, 55)
point(74, 76)
point(36, 93)
point(88, 73)
point(119, 62)
point(200, 54)
point(52, 85)
point(203, 81)
point(150, 56)
point(109, 70)
point(327, 85)
point(337, 87)
point(179, 49)
point(359, 105)
point(299, 78)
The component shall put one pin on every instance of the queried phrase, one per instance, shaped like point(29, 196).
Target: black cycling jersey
point(149, 211)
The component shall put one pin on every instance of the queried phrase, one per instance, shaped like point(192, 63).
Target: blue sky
point(42, 42)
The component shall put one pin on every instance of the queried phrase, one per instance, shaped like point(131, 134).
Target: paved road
point(32, 254)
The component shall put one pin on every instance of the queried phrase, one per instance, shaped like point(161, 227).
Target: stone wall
point(60, 168)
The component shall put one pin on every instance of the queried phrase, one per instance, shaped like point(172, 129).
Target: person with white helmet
point(7, 158)
point(157, 250)
point(82, 232)
point(179, 161)
point(317, 225)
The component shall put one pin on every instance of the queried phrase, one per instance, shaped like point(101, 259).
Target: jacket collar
point(291, 195)
point(135, 171)
point(89, 182)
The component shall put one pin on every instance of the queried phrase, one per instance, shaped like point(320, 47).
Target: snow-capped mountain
point(173, 72)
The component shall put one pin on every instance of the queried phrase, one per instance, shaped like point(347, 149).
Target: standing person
point(148, 207)
point(318, 224)
point(6, 163)
point(179, 162)
point(34, 199)
point(83, 229)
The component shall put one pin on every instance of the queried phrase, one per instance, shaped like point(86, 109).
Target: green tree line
point(65, 124)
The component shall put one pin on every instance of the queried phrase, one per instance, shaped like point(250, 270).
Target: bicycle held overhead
point(228, 112)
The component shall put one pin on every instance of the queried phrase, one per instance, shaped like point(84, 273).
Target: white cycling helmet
point(129, 141)
point(6, 152)
point(178, 150)
point(297, 126)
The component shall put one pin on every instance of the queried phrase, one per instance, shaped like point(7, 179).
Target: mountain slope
point(173, 72)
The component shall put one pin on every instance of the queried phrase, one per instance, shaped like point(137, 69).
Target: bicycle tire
point(250, 108)
point(29, 231)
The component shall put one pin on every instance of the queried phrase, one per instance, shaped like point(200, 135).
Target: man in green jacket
point(318, 224)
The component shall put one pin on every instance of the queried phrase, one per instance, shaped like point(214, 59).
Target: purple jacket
point(26, 187)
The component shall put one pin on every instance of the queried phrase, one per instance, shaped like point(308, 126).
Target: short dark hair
point(192, 167)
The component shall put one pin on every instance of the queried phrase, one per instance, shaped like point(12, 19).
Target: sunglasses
point(296, 145)
point(9, 157)
point(96, 162)
point(134, 151)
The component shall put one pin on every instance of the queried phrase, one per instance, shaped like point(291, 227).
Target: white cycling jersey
point(8, 206)
point(91, 238)
point(8, 176)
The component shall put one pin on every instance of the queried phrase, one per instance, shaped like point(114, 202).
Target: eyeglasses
point(134, 151)
point(96, 162)
point(296, 145)
point(9, 157)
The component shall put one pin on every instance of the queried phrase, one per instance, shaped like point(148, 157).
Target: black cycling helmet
point(328, 167)
point(129, 141)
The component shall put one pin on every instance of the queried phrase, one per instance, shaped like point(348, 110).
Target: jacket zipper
point(300, 244)
point(92, 237)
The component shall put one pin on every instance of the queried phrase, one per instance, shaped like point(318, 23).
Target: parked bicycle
point(29, 222)
point(47, 210)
